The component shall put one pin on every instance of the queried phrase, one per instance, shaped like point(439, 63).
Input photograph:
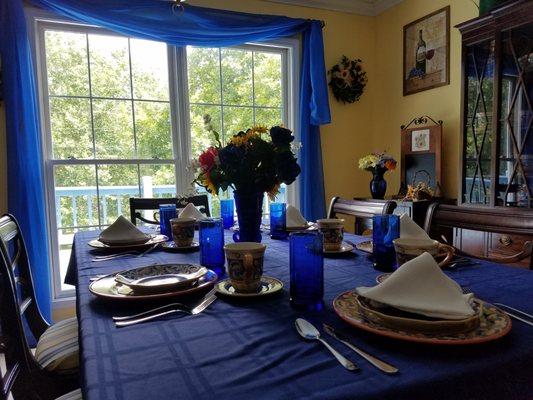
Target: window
point(122, 117)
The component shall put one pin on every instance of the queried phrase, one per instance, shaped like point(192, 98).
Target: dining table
point(249, 348)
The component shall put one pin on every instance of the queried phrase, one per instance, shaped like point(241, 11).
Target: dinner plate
point(97, 244)
point(161, 277)
point(309, 227)
point(365, 246)
point(268, 286)
point(171, 247)
point(345, 248)
point(493, 324)
point(107, 288)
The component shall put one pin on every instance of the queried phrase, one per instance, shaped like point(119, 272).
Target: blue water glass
point(227, 212)
point(307, 270)
point(385, 228)
point(166, 213)
point(211, 234)
point(278, 223)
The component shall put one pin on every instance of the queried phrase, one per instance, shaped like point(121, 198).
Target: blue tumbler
point(166, 213)
point(211, 236)
point(227, 212)
point(385, 228)
point(278, 223)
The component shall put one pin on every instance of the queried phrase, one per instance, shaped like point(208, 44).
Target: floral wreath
point(347, 80)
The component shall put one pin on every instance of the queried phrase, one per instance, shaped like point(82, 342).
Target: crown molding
point(360, 7)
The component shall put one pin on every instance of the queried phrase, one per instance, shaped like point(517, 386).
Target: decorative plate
point(161, 277)
point(380, 278)
point(106, 287)
point(309, 227)
point(365, 246)
point(268, 286)
point(345, 248)
point(171, 247)
point(97, 244)
point(493, 324)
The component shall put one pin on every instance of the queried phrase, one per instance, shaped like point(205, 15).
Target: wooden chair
point(137, 205)
point(362, 210)
point(516, 229)
point(53, 370)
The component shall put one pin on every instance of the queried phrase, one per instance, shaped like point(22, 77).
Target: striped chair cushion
point(74, 395)
point(57, 348)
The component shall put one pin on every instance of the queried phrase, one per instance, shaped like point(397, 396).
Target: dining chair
point(362, 210)
point(510, 232)
point(53, 370)
point(137, 205)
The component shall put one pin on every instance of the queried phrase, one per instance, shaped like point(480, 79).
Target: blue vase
point(378, 184)
point(249, 205)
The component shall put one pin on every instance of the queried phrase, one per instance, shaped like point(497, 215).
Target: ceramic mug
point(333, 231)
point(245, 265)
point(183, 231)
point(408, 248)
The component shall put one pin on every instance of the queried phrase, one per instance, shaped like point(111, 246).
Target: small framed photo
point(426, 52)
point(420, 140)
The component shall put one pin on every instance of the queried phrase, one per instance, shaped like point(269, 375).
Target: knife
point(376, 362)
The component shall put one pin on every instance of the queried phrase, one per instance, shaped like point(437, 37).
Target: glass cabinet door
point(515, 158)
point(478, 130)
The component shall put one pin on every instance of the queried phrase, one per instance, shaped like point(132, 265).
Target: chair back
point(137, 205)
point(442, 219)
point(362, 210)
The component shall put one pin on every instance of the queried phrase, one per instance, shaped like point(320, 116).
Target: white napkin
point(293, 218)
point(421, 287)
point(190, 211)
point(410, 230)
point(122, 231)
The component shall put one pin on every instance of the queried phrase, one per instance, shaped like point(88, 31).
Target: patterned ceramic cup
point(333, 231)
point(183, 231)
point(407, 249)
point(245, 265)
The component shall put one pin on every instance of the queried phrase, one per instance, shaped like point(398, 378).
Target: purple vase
point(378, 185)
point(249, 205)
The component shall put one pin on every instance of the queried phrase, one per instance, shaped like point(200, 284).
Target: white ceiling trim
point(361, 7)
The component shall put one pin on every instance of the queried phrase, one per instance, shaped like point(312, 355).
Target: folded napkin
point(410, 230)
point(421, 287)
point(293, 218)
point(121, 232)
point(190, 211)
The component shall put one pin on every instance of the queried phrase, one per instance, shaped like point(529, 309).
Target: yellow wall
point(392, 109)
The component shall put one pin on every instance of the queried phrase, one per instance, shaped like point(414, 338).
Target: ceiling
point(361, 7)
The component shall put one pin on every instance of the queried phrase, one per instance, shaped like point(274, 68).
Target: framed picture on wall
point(426, 52)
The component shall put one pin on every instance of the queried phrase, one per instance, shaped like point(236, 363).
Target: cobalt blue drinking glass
point(166, 213)
point(385, 228)
point(307, 270)
point(227, 212)
point(211, 235)
point(278, 225)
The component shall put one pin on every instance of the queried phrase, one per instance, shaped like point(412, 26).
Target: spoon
point(309, 332)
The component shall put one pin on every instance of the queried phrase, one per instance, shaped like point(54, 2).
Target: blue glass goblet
point(166, 213)
point(211, 237)
point(385, 228)
point(227, 212)
point(278, 223)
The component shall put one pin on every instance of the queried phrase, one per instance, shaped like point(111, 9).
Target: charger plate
point(97, 244)
point(107, 288)
point(493, 324)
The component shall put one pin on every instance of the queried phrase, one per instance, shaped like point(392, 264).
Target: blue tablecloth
point(252, 351)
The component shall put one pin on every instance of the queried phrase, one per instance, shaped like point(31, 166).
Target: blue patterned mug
point(245, 265)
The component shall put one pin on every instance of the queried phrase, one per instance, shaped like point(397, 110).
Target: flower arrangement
point(377, 162)
point(257, 160)
point(347, 80)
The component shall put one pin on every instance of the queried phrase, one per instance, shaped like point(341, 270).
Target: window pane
point(149, 69)
point(268, 116)
point(237, 119)
point(110, 71)
point(158, 180)
point(75, 195)
point(70, 123)
point(66, 62)
point(152, 127)
point(200, 138)
point(237, 77)
point(117, 183)
point(203, 65)
point(113, 128)
point(267, 79)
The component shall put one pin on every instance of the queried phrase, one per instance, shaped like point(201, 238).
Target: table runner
point(237, 350)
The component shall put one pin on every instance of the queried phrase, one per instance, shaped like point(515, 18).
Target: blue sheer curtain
point(24, 161)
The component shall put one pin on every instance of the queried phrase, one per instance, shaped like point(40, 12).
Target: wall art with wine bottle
point(426, 52)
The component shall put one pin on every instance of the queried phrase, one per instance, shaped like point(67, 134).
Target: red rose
point(207, 158)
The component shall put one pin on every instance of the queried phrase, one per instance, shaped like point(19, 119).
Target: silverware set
point(109, 257)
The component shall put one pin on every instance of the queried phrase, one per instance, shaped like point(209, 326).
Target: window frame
point(38, 21)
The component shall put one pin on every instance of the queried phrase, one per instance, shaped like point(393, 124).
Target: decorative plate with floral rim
point(155, 239)
point(494, 324)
